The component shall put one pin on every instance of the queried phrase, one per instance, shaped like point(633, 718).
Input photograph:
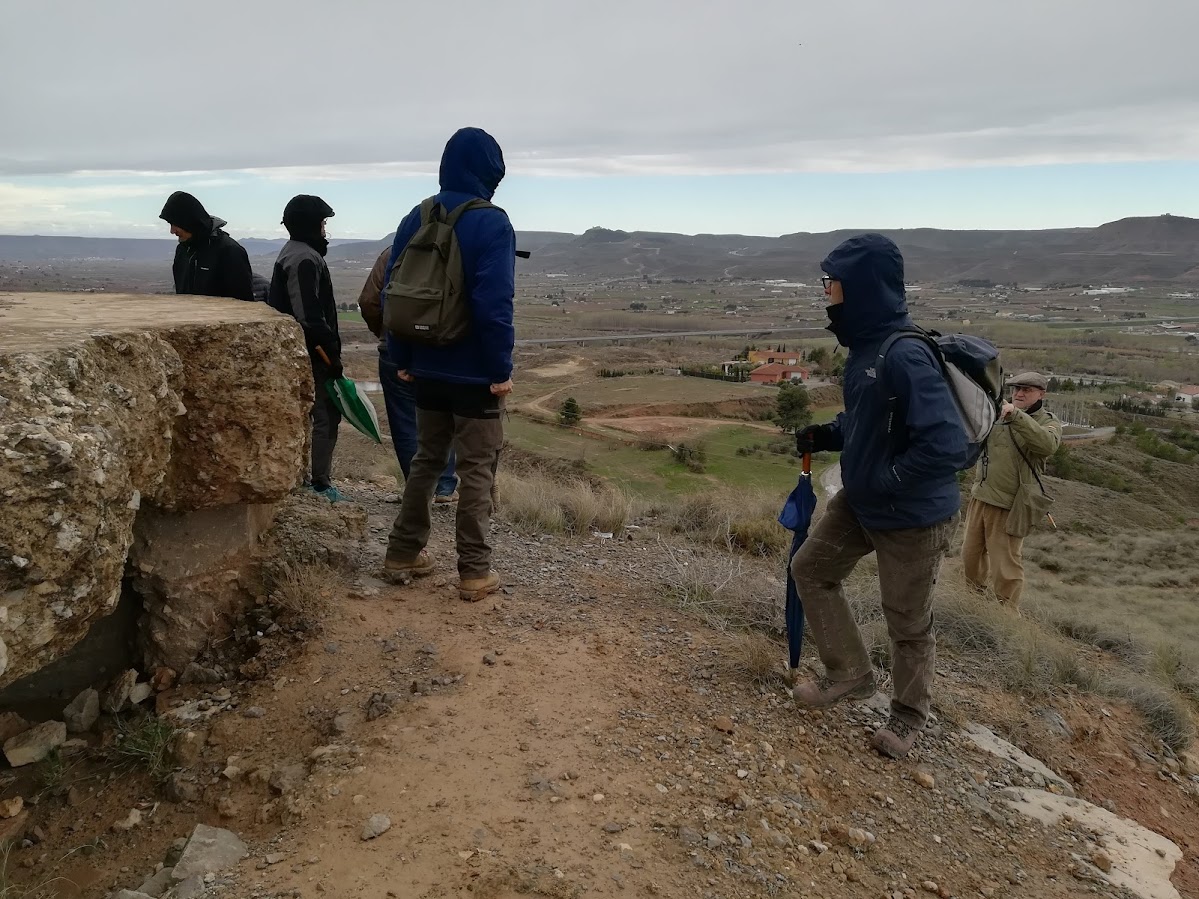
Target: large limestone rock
point(122, 415)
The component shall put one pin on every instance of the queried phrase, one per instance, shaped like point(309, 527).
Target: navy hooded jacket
point(902, 443)
point(471, 166)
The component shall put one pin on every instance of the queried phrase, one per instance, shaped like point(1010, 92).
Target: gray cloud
point(625, 86)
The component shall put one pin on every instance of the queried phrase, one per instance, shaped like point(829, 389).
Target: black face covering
point(836, 325)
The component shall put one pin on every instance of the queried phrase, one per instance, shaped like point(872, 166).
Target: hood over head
point(302, 216)
point(870, 269)
point(185, 211)
point(472, 163)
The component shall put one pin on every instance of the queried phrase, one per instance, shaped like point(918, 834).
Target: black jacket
point(211, 263)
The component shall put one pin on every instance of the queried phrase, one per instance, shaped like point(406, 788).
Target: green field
point(654, 473)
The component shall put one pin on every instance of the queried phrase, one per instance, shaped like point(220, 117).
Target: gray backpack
point(425, 301)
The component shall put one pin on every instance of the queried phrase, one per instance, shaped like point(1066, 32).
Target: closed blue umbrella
point(797, 517)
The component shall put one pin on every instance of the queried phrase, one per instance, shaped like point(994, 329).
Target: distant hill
point(36, 248)
point(1129, 251)
point(1164, 248)
point(366, 252)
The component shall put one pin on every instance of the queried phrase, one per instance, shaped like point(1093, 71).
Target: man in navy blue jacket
point(460, 388)
point(902, 446)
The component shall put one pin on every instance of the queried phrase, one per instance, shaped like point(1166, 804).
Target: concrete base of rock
point(190, 569)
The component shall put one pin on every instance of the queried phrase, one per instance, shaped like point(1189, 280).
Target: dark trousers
point(465, 418)
point(325, 419)
point(399, 399)
point(909, 560)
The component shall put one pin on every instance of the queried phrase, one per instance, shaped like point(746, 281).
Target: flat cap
point(1029, 379)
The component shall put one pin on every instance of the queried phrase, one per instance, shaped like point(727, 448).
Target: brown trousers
point(990, 555)
point(467, 418)
point(909, 560)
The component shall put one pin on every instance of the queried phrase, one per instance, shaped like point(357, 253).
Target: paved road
point(659, 335)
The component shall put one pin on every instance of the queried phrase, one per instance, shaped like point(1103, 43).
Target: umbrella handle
point(807, 463)
point(320, 351)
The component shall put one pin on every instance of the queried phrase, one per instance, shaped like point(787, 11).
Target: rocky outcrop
point(130, 419)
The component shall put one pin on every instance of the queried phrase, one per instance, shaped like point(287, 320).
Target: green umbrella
point(355, 406)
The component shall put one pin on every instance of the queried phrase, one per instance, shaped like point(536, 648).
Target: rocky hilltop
point(140, 435)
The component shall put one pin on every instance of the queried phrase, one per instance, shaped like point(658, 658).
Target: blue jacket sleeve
point(936, 447)
point(492, 302)
point(399, 350)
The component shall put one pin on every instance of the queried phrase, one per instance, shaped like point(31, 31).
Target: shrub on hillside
point(693, 455)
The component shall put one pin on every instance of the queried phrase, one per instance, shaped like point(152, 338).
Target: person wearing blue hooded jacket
point(460, 388)
point(902, 445)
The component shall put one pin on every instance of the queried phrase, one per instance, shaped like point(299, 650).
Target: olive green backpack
point(425, 301)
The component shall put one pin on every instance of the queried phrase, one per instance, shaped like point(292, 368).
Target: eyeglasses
point(827, 281)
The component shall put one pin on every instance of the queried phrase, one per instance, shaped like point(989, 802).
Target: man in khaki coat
point(990, 555)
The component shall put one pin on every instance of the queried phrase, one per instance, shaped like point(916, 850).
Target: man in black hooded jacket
point(302, 288)
point(208, 262)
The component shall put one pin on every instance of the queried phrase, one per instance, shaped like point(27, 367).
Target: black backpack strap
point(925, 336)
point(1016, 444)
point(473, 203)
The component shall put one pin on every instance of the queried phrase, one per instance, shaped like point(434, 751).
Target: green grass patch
point(654, 474)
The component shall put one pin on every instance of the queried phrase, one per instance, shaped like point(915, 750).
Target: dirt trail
point(588, 740)
point(578, 735)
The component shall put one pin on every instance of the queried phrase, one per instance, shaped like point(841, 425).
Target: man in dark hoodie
point(302, 288)
point(902, 446)
point(208, 262)
point(460, 388)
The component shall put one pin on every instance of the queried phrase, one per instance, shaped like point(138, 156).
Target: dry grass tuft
point(734, 520)
point(755, 657)
point(573, 506)
point(145, 743)
point(302, 589)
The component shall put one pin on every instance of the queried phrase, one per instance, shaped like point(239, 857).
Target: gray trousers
point(465, 417)
point(909, 560)
point(325, 419)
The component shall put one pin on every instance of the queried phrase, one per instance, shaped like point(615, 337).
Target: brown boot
point(823, 693)
point(472, 589)
point(895, 739)
point(395, 569)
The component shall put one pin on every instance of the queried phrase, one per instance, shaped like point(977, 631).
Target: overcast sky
point(755, 116)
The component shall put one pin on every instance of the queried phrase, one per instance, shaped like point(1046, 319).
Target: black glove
point(336, 369)
point(813, 439)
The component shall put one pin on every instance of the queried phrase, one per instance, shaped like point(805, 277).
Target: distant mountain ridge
point(50, 248)
point(1129, 251)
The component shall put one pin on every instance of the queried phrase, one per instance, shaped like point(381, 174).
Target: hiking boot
point(895, 739)
point(823, 693)
point(472, 589)
point(331, 493)
point(443, 498)
point(422, 565)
